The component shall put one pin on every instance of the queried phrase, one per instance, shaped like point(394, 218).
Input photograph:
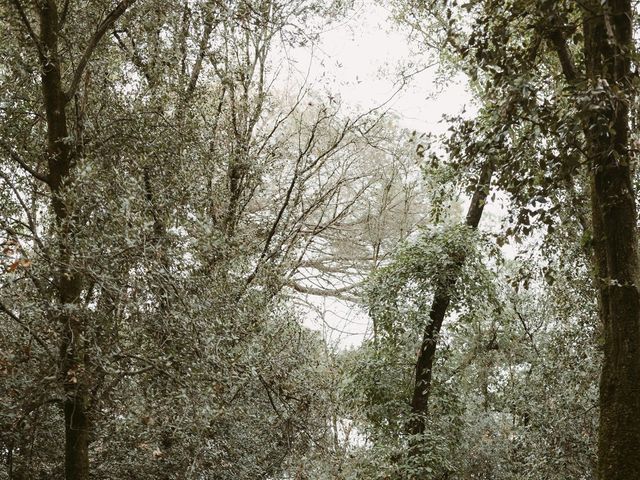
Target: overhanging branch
point(341, 293)
point(27, 24)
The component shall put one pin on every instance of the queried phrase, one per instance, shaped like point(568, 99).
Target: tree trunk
point(61, 158)
point(608, 48)
point(608, 45)
point(441, 300)
point(60, 163)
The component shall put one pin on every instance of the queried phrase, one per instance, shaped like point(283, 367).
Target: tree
point(438, 310)
point(61, 159)
point(584, 72)
point(608, 45)
point(175, 201)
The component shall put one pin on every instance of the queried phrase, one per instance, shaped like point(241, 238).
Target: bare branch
point(267, 388)
point(339, 292)
point(136, 58)
point(285, 204)
point(32, 223)
point(526, 329)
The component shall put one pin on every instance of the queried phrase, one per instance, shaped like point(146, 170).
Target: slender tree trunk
point(60, 163)
point(441, 300)
point(608, 48)
point(61, 158)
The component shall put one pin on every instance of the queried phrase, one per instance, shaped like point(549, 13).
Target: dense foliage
point(178, 200)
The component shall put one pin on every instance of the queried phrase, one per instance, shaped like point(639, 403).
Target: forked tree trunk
point(441, 300)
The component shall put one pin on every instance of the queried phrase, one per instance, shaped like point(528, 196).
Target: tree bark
point(439, 306)
point(60, 163)
point(61, 158)
point(608, 48)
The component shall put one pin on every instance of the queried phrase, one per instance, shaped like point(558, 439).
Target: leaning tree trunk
point(608, 50)
point(441, 300)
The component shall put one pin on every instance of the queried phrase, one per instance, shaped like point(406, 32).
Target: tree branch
point(110, 19)
point(32, 223)
point(26, 328)
point(559, 44)
point(339, 293)
point(20, 161)
point(526, 329)
point(136, 58)
point(202, 50)
point(32, 34)
point(63, 16)
point(556, 37)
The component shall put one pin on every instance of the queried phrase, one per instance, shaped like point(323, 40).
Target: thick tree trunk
point(441, 300)
point(608, 48)
point(76, 451)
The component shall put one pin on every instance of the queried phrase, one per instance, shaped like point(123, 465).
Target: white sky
point(359, 58)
